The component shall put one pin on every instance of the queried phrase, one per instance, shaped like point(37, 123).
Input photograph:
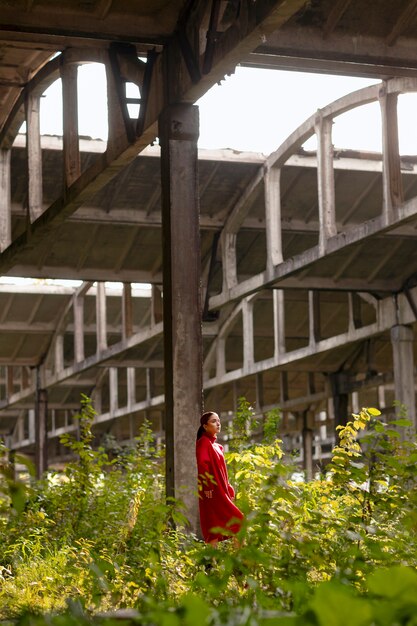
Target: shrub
point(100, 537)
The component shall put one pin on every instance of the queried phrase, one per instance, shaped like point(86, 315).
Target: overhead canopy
point(345, 37)
point(334, 225)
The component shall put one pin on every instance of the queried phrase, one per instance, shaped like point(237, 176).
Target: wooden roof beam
point(402, 22)
point(103, 8)
point(335, 15)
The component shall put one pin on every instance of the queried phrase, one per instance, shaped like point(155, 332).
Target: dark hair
point(203, 420)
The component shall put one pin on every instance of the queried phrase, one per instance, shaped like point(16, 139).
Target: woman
point(216, 495)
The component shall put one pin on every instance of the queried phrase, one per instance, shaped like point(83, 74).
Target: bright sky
point(252, 110)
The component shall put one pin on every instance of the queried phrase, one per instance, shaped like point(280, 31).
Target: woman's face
point(213, 426)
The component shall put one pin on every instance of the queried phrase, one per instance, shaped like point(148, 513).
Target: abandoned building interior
point(204, 276)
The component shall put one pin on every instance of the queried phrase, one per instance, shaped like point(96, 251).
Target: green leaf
point(394, 582)
point(18, 496)
point(167, 618)
point(197, 610)
point(284, 620)
point(401, 422)
point(392, 433)
point(336, 605)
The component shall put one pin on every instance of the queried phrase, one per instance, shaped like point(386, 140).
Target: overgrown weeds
point(99, 537)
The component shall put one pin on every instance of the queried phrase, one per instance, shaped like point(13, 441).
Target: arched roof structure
point(269, 258)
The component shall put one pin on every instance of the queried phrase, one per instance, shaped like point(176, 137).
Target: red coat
point(217, 509)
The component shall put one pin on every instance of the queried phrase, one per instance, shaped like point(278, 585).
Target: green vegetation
point(100, 537)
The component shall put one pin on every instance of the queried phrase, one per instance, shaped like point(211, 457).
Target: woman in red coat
point(216, 495)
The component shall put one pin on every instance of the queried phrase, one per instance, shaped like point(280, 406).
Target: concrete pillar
point(79, 354)
point(101, 317)
point(59, 353)
point(114, 390)
point(71, 149)
point(391, 161)
point(338, 384)
point(41, 427)
point(131, 387)
point(34, 156)
point(402, 349)
point(273, 217)
point(178, 134)
point(5, 201)
point(308, 433)
point(31, 428)
point(325, 181)
point(127, 311)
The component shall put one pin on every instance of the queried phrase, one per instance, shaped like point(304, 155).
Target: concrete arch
point(332, 237)
point(361, 97)
point(52, 71)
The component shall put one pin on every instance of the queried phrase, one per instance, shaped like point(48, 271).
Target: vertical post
point(259, 391)
point(116, 126)
point(114, 391)
point(273, 217)
point(31, 425)
point(314, 316)
point(402, 348)
point(283, 386)
point(323, 427)
point(34, 156)
point(338, 384)
point(247, 324)
point(131, 388)
point(381, 397)
point(307, 436)
point(391, 166)
point(220, 356)
point(355, 402)
point(228, 243)
point(5, 200)
point(71, 150)
point(24, 378)
point(355, 313)
point(149, 383)
point(97, 397)
point(9, 381)
point(101, 318)
point(325, 179)
point(127, 313)
point(59, 353)
point(79, 328)
point(41, 426)
point(279, 323)
point(178, 132)
point(156, 305)
point(20, 428)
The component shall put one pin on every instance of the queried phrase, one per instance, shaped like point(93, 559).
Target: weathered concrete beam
point(254, 21)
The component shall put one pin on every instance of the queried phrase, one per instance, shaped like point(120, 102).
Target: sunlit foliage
point(100, 537)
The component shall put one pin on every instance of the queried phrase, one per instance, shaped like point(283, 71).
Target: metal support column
point(178, 133)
